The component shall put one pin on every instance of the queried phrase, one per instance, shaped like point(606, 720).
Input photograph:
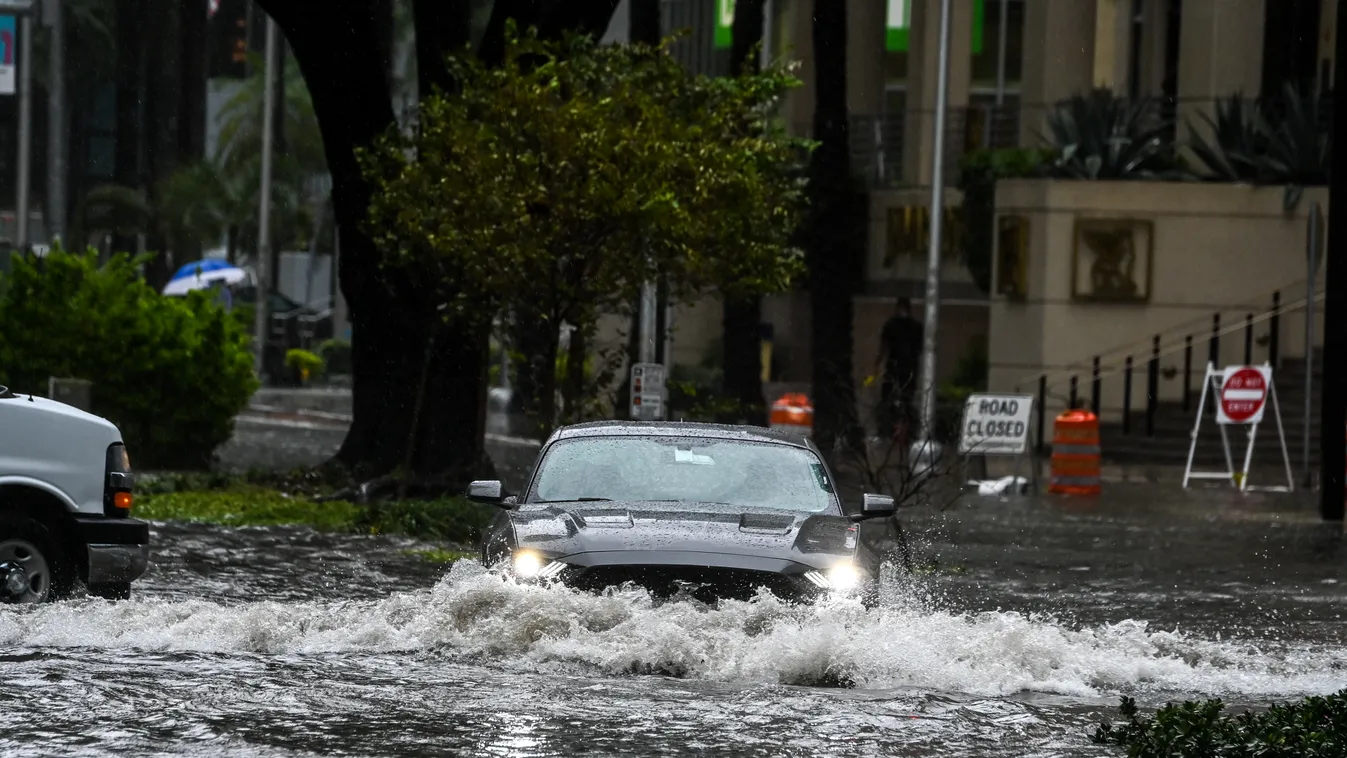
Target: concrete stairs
point(1173, 426)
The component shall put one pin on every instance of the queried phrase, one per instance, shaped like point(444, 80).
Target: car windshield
point(684, 469)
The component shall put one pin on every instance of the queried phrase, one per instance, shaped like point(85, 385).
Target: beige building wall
point(1220, 54)
point(1217, 248)
point(1058, 59)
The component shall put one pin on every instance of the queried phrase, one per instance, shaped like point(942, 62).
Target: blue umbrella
point(202, 274)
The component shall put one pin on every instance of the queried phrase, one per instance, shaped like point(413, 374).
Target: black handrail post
point(1152, 386)
point(1073, 400)
point(1042, 413)
point(1275, 335)
point(1248, 339)
point(1095, 383)
point(1187, 371)
point(1214, 354)
point(1127, 396)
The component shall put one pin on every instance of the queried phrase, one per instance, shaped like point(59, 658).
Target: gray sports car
point(699, 510)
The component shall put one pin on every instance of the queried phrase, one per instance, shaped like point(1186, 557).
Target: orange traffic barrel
point(793, 412)
point(1075, 454)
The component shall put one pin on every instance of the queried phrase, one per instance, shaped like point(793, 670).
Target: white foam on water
point(476, 615)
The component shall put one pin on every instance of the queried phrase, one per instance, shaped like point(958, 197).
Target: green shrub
point(336, 354)
point(171, 372)
point(1315, 727)
point(304, 363)
point(455, 520)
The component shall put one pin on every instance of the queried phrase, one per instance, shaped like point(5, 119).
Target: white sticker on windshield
point(687, 456)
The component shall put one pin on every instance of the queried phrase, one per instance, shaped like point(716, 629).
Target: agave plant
point(1289, 145)
point(1239, 141)
point(1102, 136)
point(1299, 145)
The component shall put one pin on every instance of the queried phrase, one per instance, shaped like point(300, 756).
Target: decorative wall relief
point(1112, 259)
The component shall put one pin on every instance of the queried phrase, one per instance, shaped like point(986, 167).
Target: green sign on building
point(898, 25)
point(724, 20)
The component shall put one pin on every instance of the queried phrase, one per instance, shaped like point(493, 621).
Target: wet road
point(1029, 621)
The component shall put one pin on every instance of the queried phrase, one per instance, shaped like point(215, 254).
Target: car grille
point(707, 584)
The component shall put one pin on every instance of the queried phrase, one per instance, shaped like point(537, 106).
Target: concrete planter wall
point(1195, 249)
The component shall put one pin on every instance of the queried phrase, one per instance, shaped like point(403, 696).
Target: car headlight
point(527, 564)
point(530, 564)
point(843, 576)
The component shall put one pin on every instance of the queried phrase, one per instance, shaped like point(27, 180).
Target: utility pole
point(25, 131)
point(927, 437)
point(264, 204)
point(54, 15)
point(1333, 406)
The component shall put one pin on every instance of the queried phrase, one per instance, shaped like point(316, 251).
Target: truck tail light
point(118, 482)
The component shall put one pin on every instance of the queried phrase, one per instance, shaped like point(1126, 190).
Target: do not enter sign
point(1244, 392)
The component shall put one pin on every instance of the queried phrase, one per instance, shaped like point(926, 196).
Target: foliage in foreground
point(1315, 727)
point(449, 520)
point(171, 372)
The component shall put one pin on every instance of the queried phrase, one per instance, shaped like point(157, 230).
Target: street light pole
point(937, 228)
point(264, 204)
point(25, 131)
point(56, 128)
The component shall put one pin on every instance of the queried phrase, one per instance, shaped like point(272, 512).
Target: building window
point(986, 61)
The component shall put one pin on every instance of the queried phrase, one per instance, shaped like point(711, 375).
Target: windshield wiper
point(580, 500)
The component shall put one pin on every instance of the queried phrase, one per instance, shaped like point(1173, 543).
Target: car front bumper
point(118, 549)
point(698, 575)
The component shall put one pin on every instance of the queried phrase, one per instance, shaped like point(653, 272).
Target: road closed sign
point(996, 424)
point(1243, 395)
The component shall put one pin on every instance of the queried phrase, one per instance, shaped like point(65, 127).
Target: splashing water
point(473, 616)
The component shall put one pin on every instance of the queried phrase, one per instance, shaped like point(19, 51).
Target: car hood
point(643, 532)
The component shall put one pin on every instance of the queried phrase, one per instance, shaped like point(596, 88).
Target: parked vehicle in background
point(704, 510)
point(65, 504)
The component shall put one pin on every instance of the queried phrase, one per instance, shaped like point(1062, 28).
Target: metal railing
point(1185, 343)
point(878, 141)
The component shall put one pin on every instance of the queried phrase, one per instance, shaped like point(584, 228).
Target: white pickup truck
point(65, 504)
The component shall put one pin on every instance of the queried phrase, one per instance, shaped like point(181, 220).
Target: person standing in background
point(899, 360)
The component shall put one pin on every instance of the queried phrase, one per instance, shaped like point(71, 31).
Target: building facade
point(1010, 61)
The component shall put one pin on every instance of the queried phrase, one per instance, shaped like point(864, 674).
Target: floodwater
point(1028, 620)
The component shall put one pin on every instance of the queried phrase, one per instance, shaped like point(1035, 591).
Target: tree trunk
point(833, 254)
point(194, 53)
point(741, 317)
point(126, 153)
point(442, 28)
point(644, 22)
point(353, 105)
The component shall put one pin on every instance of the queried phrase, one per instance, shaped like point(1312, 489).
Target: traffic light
point(228, 39)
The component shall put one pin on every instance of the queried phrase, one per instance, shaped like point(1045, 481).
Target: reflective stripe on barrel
point(1075, 454)
point(792, 412)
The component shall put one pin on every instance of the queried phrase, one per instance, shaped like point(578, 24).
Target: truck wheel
point(36, 568)
point(111, 590)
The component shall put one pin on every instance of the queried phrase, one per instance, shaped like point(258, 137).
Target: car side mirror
point(875, 506)
point(486, 491)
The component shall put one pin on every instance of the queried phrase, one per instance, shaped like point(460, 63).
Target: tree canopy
point(555, 184)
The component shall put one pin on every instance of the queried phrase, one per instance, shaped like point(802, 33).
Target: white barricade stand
point(995, 424)
point(1240, 395)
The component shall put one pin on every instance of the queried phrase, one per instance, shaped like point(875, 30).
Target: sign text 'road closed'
point(996, 424)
